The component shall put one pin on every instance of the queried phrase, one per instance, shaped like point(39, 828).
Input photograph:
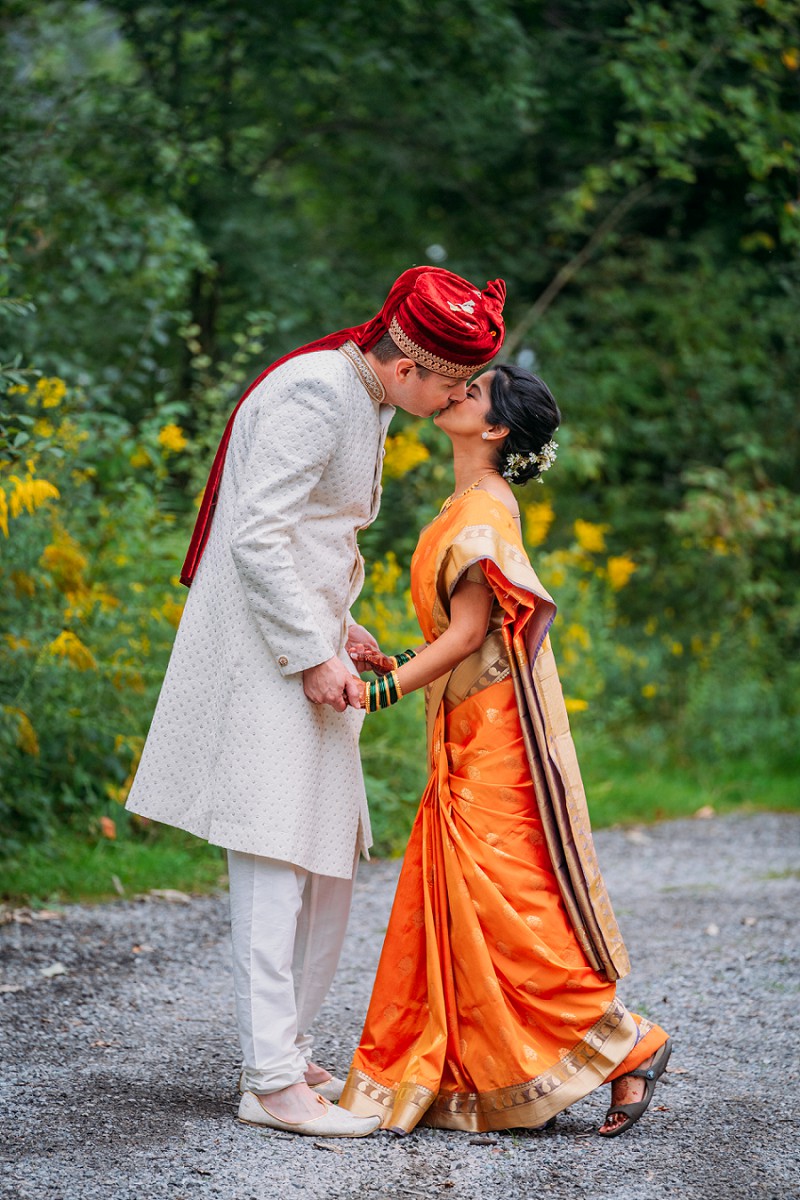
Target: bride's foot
point(625, 1090)
point(631, 1094)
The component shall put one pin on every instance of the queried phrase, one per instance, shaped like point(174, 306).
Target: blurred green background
point(190, 190)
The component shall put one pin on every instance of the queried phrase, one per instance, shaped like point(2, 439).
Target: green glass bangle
point(382, 692)
point(405, 657)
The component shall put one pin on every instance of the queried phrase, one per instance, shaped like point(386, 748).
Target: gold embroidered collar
point(365, 372)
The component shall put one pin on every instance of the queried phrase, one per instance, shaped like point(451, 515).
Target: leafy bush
point(88, 599)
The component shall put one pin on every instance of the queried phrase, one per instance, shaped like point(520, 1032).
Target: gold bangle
point(397, 684)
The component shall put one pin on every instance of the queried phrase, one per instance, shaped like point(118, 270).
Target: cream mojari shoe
point(332, 1122)
point(331, 1089)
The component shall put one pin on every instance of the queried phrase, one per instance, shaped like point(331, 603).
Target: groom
point(253, 745)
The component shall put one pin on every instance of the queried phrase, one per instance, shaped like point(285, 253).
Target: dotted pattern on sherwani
point(236, 753)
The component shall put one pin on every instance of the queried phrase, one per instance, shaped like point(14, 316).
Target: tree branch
point(571, 268)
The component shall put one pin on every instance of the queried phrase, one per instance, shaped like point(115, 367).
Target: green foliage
point(87, 866)
point(395, 757)
point(192, 190)
point(86, 628)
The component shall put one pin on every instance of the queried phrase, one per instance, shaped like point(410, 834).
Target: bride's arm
point(470, 609)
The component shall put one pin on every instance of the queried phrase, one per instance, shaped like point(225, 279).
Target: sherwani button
point(283, 661)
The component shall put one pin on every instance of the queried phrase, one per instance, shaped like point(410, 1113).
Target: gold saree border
point(520, 1106)
point(487, 665)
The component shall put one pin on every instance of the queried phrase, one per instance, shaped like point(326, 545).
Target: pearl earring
point(484, 436)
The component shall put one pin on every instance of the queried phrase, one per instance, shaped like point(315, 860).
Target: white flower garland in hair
point(543, 460)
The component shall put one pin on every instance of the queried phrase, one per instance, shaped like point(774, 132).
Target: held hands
point(367, 656)
point(359, 644)
point(332, 683)
point(367, 659)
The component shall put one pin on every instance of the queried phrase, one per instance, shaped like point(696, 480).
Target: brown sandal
point(651, 1076)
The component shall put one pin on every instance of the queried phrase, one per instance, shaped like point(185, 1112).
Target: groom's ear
point(403, 368)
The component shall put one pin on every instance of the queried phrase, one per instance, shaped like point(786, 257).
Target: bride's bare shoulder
point(497, 487)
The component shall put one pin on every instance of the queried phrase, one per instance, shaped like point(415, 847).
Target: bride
point(495, 1001)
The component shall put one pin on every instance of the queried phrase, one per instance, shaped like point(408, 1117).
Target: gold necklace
point(452, 499)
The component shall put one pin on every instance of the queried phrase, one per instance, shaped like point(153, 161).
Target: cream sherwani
point(236, 753)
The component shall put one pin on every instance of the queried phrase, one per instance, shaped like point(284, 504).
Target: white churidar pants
point(287, 930)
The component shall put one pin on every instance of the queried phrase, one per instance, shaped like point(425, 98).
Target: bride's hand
point(359, 642)
point(378, 662)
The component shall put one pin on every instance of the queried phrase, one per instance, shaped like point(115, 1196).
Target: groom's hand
point(359, 641)
point(332, 683)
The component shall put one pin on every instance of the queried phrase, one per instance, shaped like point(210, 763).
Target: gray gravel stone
point(119, 1074)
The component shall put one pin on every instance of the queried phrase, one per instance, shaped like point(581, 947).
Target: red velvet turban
point(437, 318)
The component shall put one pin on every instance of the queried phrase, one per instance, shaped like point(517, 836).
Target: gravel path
point(119, 1072)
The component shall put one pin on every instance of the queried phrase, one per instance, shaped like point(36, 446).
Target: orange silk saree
point(494, 1005)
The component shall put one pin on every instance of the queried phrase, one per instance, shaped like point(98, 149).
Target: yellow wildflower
point(649, 691)
point(44, 428)
point(385, 574)
point(18, 389)
point(172, 610)
point(107, 600)
point(404, 452)
point(590, 538)
point(65, 562)
point(620, 568)
point(15, 643)
point(69, 436)
point(791, 58)
point(83, 475)
point(697, 644)
point(409, 603)
point(574, 705)
point(140, 457)
point(538, 519)
point(51, 392)
point(173, 439)
point(30, 494)
point(677, 649)
point(70, 647)
point(3, 511)
point(24, 584)
point(26, 734)
point(136, 683)
point(578, 633)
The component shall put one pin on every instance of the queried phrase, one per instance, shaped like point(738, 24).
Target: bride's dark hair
point(525, 405)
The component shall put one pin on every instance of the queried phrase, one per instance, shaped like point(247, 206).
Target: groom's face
point(422, 393)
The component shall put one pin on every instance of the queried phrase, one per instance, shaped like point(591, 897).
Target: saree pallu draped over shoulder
point(495, 1005)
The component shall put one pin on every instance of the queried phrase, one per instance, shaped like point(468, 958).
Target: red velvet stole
point(365, 336)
